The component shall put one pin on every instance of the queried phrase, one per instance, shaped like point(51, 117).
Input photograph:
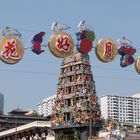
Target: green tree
point(76, 134)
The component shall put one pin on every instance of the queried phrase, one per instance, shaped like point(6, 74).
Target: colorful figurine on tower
point(76, 100)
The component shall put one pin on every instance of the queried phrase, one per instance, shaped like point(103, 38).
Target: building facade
point(17, 118)
point(125, 109)
point(46, 107)
point(37, 130)
point(1, 103)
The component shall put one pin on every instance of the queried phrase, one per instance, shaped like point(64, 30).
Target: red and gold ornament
point(137, 65)
point(106, 50)
point(11, 49)
point(61, 44)
point(84, 41)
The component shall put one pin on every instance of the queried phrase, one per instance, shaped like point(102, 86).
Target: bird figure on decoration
point(124, 42)
point(9, 31)
point(126, 47)
point(84, 27)
point(57, 27)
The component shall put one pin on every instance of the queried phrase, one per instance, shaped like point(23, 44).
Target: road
point(133, 136)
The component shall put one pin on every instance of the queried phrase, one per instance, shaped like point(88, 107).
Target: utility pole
point(15, 127)
point(91, 93)
point(90, 123)
point(90, 120)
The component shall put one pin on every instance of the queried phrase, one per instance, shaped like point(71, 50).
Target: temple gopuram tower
point(77, 114)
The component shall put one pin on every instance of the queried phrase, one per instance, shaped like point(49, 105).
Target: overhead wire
point(44, 45)
point(116, 78)
point(30, 72)
point(97, 67)
point(48, 33)
point(54, 74)
point(101, 68)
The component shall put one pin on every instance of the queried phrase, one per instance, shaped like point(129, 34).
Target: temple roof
point(18, 111)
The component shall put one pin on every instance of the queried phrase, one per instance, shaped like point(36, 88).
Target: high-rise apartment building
point(121, 108)
point(1, 103)
point(46, 107)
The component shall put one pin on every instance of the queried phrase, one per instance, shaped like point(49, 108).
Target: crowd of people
point(37, 136)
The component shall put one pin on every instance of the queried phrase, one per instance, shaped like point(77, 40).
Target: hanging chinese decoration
point(36, 41)
point(106, 50)
point(11, 49)
point(85, 37)
point(137, 65)
point(61, 44)
point(126, 51)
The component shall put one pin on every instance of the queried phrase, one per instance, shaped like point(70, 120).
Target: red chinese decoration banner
point(61, 44)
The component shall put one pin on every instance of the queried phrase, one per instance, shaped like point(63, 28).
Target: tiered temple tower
point(77, 113)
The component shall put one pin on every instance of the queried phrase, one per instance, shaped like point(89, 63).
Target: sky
point(35, 77)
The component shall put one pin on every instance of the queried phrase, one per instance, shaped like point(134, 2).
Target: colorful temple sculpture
point(76, 107)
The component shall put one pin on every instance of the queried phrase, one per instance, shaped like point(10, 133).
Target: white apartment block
point(46, 107)
point(121, 108)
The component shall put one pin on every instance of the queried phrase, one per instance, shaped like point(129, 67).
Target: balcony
point(70, 73)
point(68, 96)
point(68, 109)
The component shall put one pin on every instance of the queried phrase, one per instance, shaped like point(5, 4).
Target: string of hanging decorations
point(61, 44)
